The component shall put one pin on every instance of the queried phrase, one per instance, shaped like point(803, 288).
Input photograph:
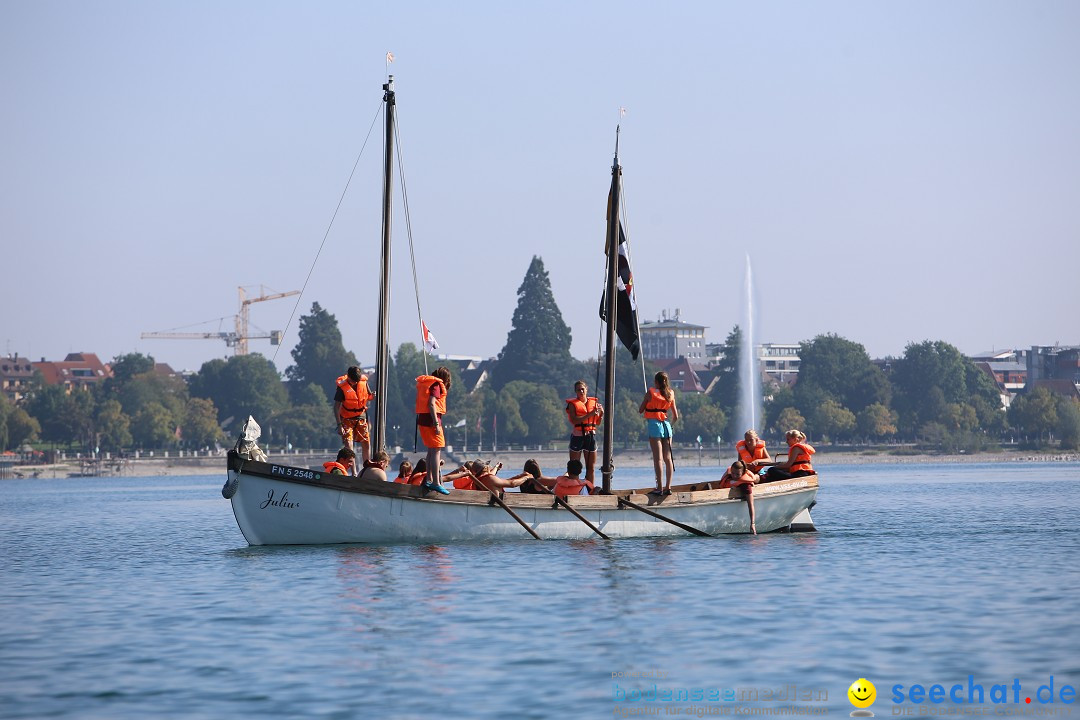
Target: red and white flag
point(430, 343)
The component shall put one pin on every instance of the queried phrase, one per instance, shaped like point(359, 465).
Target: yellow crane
point(237, 339)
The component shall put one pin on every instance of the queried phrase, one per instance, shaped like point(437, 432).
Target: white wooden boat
point(283, 505)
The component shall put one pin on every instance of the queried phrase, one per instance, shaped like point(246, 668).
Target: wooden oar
point(575, 513)
point(658, 516)
point(499, 501)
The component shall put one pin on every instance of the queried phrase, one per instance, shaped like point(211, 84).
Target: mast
point(382, 350)
point(610, 310)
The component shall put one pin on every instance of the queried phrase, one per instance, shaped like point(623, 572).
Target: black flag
point(626, 326)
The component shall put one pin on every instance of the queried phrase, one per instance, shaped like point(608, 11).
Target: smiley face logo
point(862, 693)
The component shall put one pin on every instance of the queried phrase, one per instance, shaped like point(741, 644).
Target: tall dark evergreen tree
point(320, 355)
point(538, 345)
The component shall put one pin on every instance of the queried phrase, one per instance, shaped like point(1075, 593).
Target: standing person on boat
point(741, 477)
point(752, 451)
point(584, 413)
point(658, 401)
point(375, 468)
point(571, 483)
point(350, 408)
point(798, 461)
point(343, 465)
point(431, 392)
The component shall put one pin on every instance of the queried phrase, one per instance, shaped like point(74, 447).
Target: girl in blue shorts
point(658, 402)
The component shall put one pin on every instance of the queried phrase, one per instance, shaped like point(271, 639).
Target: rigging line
point(327, 233)
point(633, 289)
point(408, 230)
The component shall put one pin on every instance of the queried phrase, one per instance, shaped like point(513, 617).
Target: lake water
point(138, 597)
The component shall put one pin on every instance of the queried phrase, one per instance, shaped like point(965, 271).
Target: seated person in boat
point(343, 465)
point(752, 451)
point(740, 477)
point(350, 409)
point(419, 472)
point(798, 461)
point(571, 483)
point(375, 468)
point(584, 413)
point(404, 471)
point(478, 475)
point(535, 482)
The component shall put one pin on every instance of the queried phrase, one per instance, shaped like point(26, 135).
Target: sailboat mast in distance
point(382, 351)
point(610, 311)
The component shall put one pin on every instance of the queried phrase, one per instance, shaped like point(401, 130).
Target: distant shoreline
point(551, 461)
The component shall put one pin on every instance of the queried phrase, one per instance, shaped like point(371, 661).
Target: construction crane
point(237, 339)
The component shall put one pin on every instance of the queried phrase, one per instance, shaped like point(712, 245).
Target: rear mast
point(382, 350)
point(610, 312)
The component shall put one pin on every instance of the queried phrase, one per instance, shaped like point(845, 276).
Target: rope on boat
point(408, 229)
point(341, 199)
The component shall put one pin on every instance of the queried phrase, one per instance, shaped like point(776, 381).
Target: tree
point(307, 426)
point(832, 421)
point(64, 417)
point(113, 426)
point(934, 372)
point(320, 355)
point(789, 419)
point(153, 427)
point(1068, 427)
point(726, 392)
point(508, 423)
point(1034, 415)
point(125, 367)
point(876, 422)
point(200, 426)
point(541, 409)
point(16, 425)
point(698, 417)
point(244, 385)
point(538, 345)
point(833, 367)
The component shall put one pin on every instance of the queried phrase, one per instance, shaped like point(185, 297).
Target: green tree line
point(931, 395)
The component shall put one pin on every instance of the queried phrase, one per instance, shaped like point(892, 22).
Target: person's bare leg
point(669, 463)
point(655, 445)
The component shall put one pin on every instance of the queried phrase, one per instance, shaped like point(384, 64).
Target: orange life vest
point(658, 405)
point(356, 399)
point(417, 478)
point(576, 409)
point(751, 458)
point(402, 479)
point(424, 384)
point(468, 482)
point(567, 486)
point(800, 453)
point(332, 465)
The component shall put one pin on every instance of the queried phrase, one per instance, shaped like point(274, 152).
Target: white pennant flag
point(430, 343)
point(389, 57)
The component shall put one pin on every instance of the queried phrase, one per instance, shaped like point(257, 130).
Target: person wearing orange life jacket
point(478, 475)
point(658, 402)
point(404, 470)
point(740, 476)
point(343, 465)
point(350, 409)
point(571, 483)
point(431, 392)
point(584, 413)
point(798, 462)
point(752, 451)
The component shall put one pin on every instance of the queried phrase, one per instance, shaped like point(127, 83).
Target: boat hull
point(281, 505)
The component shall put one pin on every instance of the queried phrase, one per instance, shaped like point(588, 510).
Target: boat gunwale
point(682, 496)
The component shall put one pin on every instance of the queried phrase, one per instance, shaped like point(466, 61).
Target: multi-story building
point(16, 376)
point(77, 370)
point(670, 338)
point(1054, 362)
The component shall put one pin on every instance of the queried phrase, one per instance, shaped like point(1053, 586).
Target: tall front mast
point(382, 351)
point(610, 310)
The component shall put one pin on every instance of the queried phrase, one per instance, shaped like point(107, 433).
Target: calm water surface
point(138, 597)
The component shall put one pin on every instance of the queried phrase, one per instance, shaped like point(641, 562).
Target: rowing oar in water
point(562, 503)
point(499, 501)
point(658, 516)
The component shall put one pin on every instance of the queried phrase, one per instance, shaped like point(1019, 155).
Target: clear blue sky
point(896, 171)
